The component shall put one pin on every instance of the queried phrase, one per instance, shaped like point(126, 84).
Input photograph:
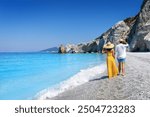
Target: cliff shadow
point(101, 78)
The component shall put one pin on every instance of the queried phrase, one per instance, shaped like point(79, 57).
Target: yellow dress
point(111, 65)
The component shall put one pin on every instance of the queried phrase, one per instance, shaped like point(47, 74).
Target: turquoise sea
point(30, 75)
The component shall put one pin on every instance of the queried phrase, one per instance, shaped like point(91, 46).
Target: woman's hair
point(109, 49)
point(122, 41)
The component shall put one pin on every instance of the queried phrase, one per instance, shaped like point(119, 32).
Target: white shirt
point(121, 50)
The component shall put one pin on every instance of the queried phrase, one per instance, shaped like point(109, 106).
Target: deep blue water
point(23, 75)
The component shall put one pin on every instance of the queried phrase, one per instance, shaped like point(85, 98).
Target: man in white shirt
point(120, 50)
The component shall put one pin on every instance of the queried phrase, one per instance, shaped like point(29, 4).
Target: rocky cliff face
point(119, 31)
point(135, 30)
point(139, 37)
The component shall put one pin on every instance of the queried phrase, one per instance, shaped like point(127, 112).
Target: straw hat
point(108, 45)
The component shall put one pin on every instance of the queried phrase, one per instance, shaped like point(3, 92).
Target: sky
point(33, 25)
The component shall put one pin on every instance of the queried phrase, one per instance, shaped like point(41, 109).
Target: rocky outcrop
point(89, 47)
point(62, 49)
point(83, 48)
point(139, 37)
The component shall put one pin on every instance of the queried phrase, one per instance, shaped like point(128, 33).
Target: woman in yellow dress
point(112, 69)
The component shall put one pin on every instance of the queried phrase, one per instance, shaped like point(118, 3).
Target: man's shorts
point(121, 59)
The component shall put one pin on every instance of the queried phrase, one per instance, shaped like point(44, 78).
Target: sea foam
point(80, 78)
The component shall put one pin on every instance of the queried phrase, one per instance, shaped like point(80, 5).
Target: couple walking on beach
point(120, 52)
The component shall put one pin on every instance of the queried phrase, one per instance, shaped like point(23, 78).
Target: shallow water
point(23, 75)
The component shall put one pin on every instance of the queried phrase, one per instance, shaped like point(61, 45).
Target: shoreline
point(134, 85)
point(76, 80)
